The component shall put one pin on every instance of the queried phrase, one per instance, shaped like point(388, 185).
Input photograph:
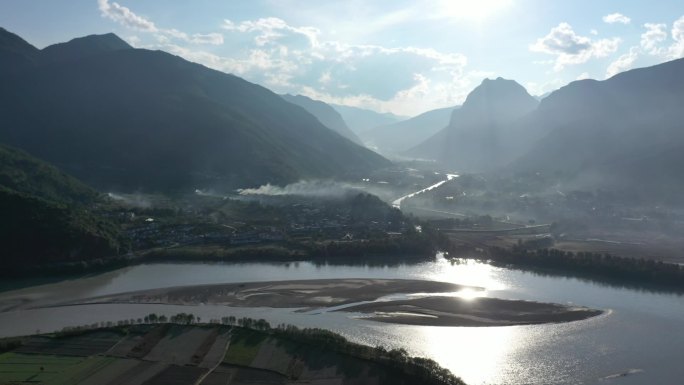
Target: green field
point(244, 347)
point(16, 368)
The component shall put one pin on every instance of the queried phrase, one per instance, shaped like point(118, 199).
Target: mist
point(313, 188)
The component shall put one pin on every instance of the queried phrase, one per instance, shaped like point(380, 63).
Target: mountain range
point(360, 120)
point(398, 137)
point(477, 136)
point(625, 132)
point(325, 114)
point(134, 119)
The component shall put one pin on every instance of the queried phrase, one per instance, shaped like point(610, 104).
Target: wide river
point(640, 339)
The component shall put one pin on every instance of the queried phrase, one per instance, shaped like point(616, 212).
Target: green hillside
point(46, 215)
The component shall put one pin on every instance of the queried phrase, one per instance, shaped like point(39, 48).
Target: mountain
point(133, 119)
point(478, 137)
point(25, 174)
point(15, 53)
point(46, 215)
point(325, 114)
point(627, 130)
point(360, 120)
point(81, 47)
point(398, 137)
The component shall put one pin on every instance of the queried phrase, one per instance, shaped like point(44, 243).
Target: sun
point(474, 10)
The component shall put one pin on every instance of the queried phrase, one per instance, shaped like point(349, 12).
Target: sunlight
point(456, 348)
point(469, 294)
point(472, 10)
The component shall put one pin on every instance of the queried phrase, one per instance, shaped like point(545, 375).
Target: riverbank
point(386, 251)
point(611, 270)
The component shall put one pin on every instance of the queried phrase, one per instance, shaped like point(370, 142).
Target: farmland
point(245, 352)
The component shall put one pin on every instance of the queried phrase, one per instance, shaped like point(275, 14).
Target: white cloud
point(676, 50)
point(571, 48)
point(197, 38)
point(583, 75)
point(133, 40)
point(411, 101)
point(125, 16)
point(297, 59)
point(654, 35)
point(325, 78)
point(623, 63)
point(271, 29)
point(616, 18)
point(653, 41)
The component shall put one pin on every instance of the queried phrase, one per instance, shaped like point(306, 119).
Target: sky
point(398, 56)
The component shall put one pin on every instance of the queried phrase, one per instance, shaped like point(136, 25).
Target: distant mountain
point(627, 130)
point(360, 120)
point(134, 119)
point(477, 137)
point(398, 137)
point(325, 114)
point(46, 215)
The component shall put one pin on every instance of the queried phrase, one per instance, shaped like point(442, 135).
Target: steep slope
point(134, 119)
point(477, 137)
point(325, 114)
point(360, 119)
point(625, 131)
point(46, 215)
point(398, 137)
point(15, 54)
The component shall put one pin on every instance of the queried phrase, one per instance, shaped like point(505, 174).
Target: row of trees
point(646, 273)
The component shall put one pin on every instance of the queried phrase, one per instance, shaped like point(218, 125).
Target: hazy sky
point(400, 56)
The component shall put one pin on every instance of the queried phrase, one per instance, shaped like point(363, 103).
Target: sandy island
point(455, 311)
point(432, 307)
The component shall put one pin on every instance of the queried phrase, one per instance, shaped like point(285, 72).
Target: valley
point(174, 212)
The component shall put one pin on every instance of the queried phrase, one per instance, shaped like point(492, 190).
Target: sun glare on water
point(474, 10)
point(469, 294)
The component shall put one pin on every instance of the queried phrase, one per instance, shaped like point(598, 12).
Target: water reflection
point(485, 349)
point(465, 272)
point(642, 332)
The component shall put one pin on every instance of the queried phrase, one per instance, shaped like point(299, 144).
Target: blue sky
point(400, 56)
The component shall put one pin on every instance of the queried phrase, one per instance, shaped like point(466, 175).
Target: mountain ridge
point(156, 122)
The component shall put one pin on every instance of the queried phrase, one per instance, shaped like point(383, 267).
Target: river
point(397, 202)
point(639, 340)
